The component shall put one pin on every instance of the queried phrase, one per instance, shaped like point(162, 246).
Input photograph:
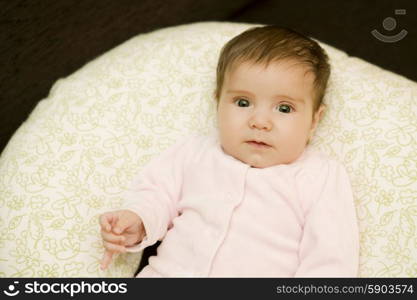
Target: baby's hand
point(119, 229)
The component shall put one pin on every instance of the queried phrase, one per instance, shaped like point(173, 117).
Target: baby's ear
point(214, 95)
point(319, 114)
point(216, 99)
point(317, 117)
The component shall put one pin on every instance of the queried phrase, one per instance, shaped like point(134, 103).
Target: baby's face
point(265, 114)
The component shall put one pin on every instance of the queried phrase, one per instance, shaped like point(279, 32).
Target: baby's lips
point(258, 143)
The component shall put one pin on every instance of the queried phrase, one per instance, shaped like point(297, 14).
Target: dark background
point(44, 40)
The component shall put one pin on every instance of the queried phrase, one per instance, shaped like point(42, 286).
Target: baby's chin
point(259, 161)
point(265, 161)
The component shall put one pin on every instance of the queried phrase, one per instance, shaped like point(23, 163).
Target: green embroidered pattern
point(79, 149)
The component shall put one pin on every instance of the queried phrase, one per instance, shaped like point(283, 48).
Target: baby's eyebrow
point(238, 92)
point(301, 100)
point(275, 96)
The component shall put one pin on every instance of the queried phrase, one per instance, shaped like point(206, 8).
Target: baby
point(255, 200)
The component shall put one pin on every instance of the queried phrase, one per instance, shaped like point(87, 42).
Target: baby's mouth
point(258, 144)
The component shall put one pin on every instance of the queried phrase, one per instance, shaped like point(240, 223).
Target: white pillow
point(77, 152)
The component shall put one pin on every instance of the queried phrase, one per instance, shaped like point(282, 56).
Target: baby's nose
point(260, 121)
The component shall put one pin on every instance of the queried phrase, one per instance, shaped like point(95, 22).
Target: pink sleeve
point(329, 246)
point(155, 191)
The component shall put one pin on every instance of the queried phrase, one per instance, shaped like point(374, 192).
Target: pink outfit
point(218, 217)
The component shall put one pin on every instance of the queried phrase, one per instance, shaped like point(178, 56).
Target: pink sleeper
point(219, 217)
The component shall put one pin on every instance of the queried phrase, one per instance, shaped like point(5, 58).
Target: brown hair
point(272, 43)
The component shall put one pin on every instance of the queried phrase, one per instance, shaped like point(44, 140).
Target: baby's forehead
point(291, 77)
point(282, 65)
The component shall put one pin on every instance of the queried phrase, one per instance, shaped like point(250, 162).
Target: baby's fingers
point(106, 221)
point(108, 254)
point(114, 248)
point(105, 261)
point(112, 238)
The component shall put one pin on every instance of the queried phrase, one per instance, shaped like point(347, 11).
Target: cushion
point(79, 149)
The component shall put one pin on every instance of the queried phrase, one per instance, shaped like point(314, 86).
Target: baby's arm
point(149, 204)
point(330, 243)
point(155, 192)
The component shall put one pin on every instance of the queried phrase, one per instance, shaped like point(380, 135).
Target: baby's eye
point(284, 108)
point(242, 102)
